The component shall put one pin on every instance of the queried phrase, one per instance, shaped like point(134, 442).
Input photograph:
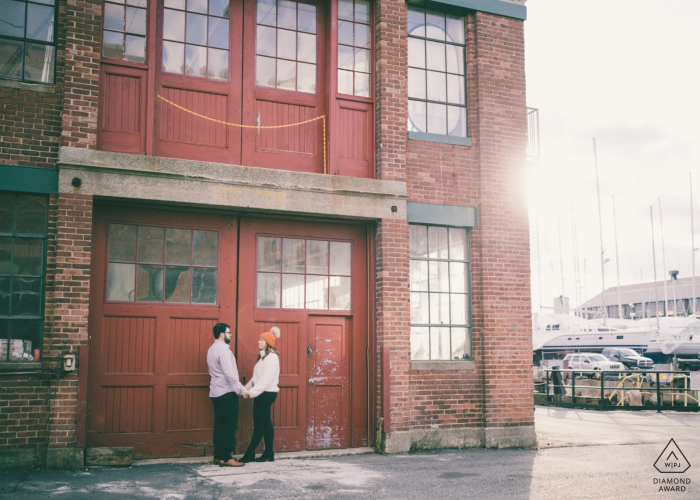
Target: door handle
point(309, 350)
point(311, 381)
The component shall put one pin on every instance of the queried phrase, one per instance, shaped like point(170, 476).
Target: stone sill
point(33, 87)
point(442, 139)
point(9, 366)
point(443, 366)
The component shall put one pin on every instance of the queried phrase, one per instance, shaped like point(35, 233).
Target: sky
point(627, 73)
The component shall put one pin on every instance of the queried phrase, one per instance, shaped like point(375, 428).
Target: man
point(224, 390)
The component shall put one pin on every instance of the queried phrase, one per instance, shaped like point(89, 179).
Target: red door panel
point(122, 109)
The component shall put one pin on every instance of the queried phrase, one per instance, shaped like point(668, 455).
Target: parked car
point(689, 364)
point(592, 361)
point(628, 357)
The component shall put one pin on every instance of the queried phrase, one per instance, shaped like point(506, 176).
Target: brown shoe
point(217, 461)
point(231, 463)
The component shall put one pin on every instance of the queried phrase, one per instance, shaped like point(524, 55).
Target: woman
point(263, 388)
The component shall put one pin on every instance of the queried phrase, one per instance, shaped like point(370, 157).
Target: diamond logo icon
point(672, 460)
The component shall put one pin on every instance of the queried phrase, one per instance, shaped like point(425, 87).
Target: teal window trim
point(40, 180)
point(499, 7)
point(441, 215)
point(442, 139)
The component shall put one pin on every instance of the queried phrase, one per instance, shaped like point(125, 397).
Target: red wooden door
point(337, 339)
point(328, 401)
point(161, 280)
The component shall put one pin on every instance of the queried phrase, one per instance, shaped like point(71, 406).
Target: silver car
point(592, 361)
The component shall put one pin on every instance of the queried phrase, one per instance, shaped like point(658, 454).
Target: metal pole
point(578, 264)
point(600, 226)
point(539, 270)
point(663, 257)
point(617, 263)
point(561, 258)
point(573, 244)
point(658, 391)
point(653, 253)
point(692, 240)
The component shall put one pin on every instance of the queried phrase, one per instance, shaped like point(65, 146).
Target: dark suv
point(628, 357)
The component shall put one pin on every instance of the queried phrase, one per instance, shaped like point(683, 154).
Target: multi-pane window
point(436, 83)
point(285, 45)
point(23, 231)
point(27, 40)
point(440, 316)
point(124, 35)
point(303, 274)
point(354, 43)
point(196, 38)
point(157, 264)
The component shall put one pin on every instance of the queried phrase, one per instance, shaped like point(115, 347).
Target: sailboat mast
point(539, 271)
point(576, 277)
point(653, 253)
point(663, 260)
point(692, 240)
point(561, 258)
point(617, 263)
point(600, 225)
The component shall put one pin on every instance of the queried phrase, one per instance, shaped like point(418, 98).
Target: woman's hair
point(268, 350)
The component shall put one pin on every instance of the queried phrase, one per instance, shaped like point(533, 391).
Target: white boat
point(683, 343)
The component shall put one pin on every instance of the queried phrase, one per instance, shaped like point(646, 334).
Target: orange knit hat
point(271, 336)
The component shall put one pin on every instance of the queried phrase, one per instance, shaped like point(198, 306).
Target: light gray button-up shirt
point(223, 370)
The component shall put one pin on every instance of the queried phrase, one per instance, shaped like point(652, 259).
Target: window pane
point(306, 48)
point(457, 121)
point(435, 25)
point(362, 11)
point(419, 275)
point(437, 242)
point(25, 340)
point(220, 8)
point(307, 17)
point(416, 116)
point(436, 119)
point(455, 59)
point(416, 53)
point(135, 48)
point(286, 75)
point(293, 291)
point(287, 14)
point(455, 89)
point(416, 83)
point(294, 255)
point(136, 21)
point(122, 242)
point(345, 10)
point(458, 307)
point(306, 78)
point(362, 84)
point(269, 253)
point(218, 32)
point(440, 343)
point(345, 58)
point(4, 296)
point(7, 212)
point(267, 12)
point(178, 246)
point(114, 17)
point(339, 293)
point(177, 284)
point(196, 29)
point(11, 58)
point(195, 60)
point(38, 62)
point(287, 44)
point(435, 55)
point(420, 346)
point(175, 4)
point(458, 277)
point(149, 283)
point(458, 244)
point(316, 292)
point(264, 71)
point(218, 64)
point(173, 57)
point(203, 286)
point(206, 248)
point(340, 258)
point(439, 308)
point(316, 257)
point(461, 348)
point(29, 254)
point(420, 305)
point(150, 244)
point(40, 22)
point(13, 15)
point(345, 32)
point(5, 255)
point(455, 29)
point(418, 241)
point(26, 296)
point(416, 22)
point(362, 60)
point(345, 81)
point(31, 214)
point(197, 6)
point(362, 36)
point(173, 25)
point(436, 88)
point(268, 290)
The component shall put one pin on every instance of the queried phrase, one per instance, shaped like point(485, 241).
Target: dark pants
point(262, 424)
point(225, 423)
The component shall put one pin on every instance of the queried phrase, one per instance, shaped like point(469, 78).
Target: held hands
point(246, 395)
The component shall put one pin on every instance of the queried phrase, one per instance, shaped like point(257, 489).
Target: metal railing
point(655, 390)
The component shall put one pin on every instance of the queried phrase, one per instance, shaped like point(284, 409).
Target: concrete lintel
point(160, 179)
point(511, 437)
point(443, 365)
point(433, 439)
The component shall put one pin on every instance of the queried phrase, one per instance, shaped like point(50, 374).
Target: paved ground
point(582, 455)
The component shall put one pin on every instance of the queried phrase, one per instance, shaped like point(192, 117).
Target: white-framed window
point(440, 305)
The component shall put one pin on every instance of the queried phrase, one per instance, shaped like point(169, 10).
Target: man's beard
point(227, 339)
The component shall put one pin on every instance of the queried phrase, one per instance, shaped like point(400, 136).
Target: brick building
point(388, 239)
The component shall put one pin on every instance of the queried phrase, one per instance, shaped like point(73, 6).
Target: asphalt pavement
point(582, 455)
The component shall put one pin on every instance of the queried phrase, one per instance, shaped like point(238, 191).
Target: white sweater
point(266, 376)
